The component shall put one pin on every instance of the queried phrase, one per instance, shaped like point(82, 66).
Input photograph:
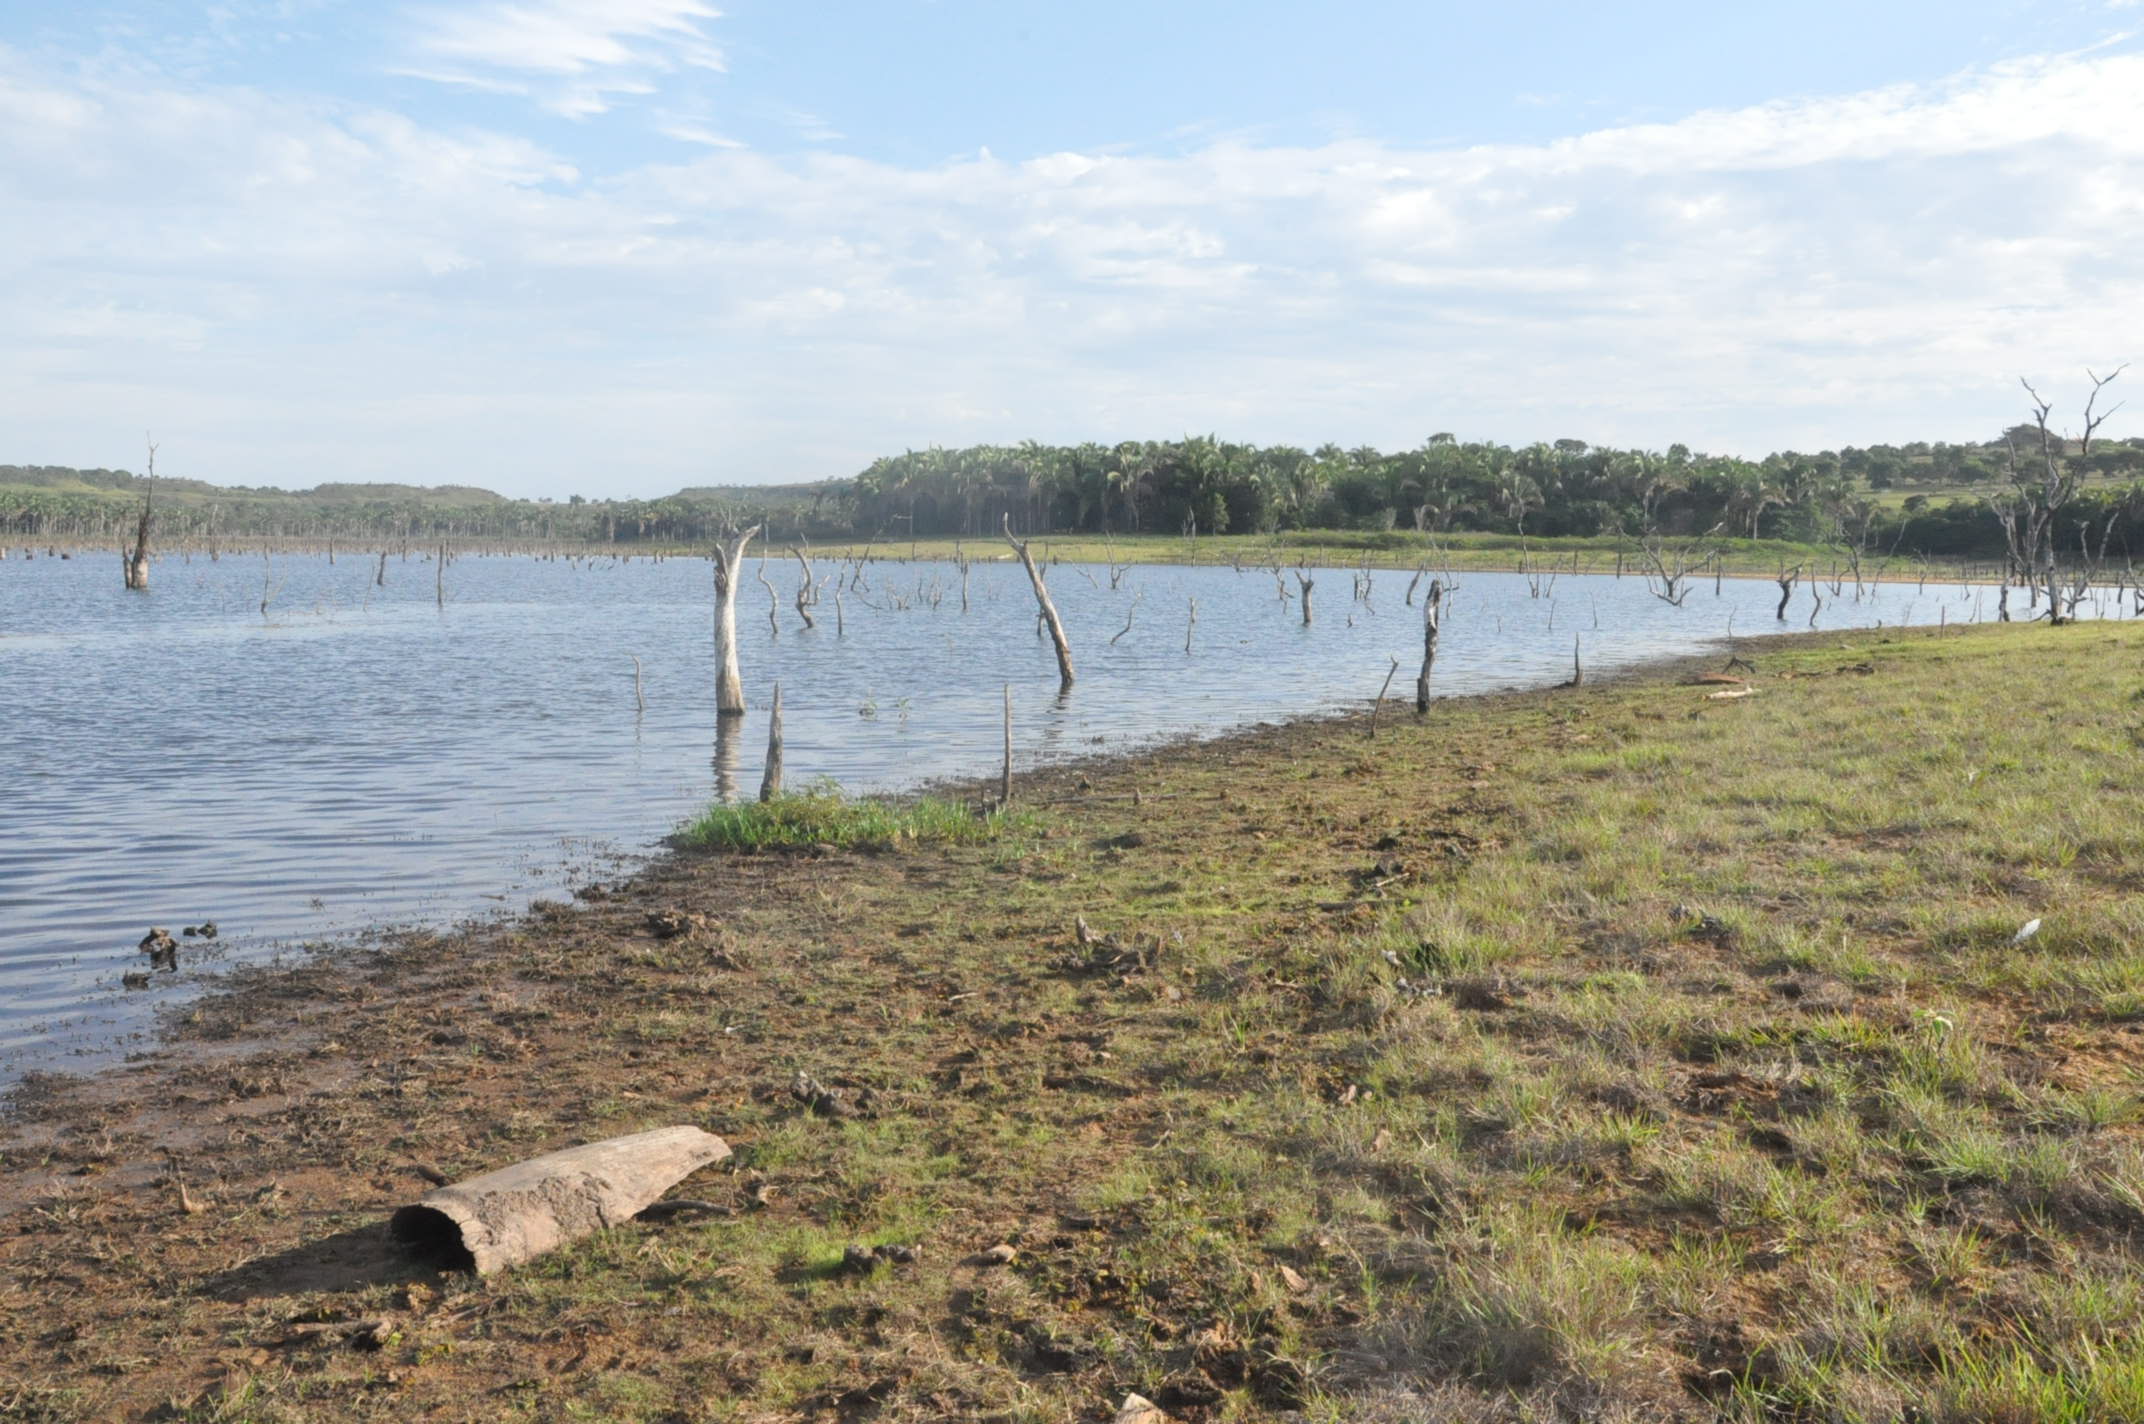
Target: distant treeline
point(1912, 499)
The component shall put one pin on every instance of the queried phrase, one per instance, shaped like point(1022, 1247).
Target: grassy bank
point(1614, 1053)
point(1401, 549)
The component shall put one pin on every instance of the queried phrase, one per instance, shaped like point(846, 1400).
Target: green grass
point(822, 815)
point(1841, 1152)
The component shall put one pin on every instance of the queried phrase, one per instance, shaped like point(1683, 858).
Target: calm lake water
point(357, 756)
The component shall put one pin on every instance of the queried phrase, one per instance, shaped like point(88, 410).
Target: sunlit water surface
point(357, 756)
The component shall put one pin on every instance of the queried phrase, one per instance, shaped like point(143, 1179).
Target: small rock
point(858, 1260)
point(816, 1097)
point(998, 1255)
point(1138, 1409)
point(205, 930)
point(1293, 1280)
point(134, 979)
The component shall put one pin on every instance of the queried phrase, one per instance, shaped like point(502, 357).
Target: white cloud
point(694, 131)
point(303, 291)
point(573, 56)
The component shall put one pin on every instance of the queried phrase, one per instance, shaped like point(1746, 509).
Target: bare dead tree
point(1005, 776)
point(729, 564)
point(269, 587)
point(1302, 577)
point(1432, 629)
point(2091, 558)
point(2042, 484)
point(774, 599)
point(1786, 589)
point(135, 566)
point(1048, 609)
point(770, 783)
point(808, 591)
point(1670, 565)
point(1137, 598)
point(1379, 704)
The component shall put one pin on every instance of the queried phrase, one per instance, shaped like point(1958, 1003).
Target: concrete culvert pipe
point(518, 1213)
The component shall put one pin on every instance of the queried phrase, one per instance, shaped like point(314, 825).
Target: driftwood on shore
point(518, 1213)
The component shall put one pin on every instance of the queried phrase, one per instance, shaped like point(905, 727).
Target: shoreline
point(296, 954)
point(1002, 1079)
point(227, 994)
point(234, 995)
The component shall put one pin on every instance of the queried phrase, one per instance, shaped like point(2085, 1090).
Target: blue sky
point(617, 246)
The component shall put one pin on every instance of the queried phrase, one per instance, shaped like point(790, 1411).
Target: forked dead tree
point(1786, 589)
point(1670, 566)
point(729, 565)
point(2042, 484)
point(1065, 676)
point(807, 592)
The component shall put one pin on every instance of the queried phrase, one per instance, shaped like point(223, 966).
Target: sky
point(616, 247)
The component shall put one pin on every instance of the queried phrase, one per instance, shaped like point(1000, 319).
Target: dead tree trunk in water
point(1005, 777)
point(1049, 610)
point(729, 682)
point(770, 785)
point(807, 592)
point(136, 565)
point(1308, 583)
point(1786, 590)
point(1432, 627)
point(774, 600)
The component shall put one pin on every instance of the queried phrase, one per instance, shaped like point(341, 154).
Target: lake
point(358, 756)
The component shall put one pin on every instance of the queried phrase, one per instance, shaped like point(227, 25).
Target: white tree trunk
point(1048, 609)
point(729, 682)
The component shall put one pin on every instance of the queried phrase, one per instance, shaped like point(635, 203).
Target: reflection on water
point(729, 755)
point(359, 756)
